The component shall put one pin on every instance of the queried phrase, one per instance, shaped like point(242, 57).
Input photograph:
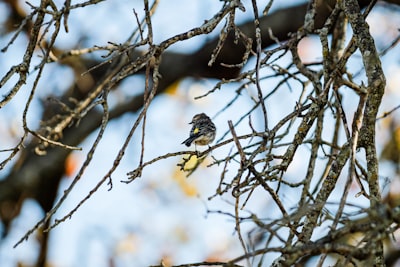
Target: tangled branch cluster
point(263, 158)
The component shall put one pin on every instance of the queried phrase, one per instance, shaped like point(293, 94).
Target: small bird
point(203, 131)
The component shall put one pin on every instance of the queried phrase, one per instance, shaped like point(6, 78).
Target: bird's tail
point(189, 141)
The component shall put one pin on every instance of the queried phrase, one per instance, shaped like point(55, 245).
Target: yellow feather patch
point(196, 130)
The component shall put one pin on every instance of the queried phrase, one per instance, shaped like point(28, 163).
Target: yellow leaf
point(184, 184)
point(171, 90)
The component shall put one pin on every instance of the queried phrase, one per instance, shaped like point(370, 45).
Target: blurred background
point(163, 215)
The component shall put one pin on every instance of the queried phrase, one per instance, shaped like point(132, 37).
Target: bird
point(203, 131)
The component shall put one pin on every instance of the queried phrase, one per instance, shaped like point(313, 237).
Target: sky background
point(161, 215)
